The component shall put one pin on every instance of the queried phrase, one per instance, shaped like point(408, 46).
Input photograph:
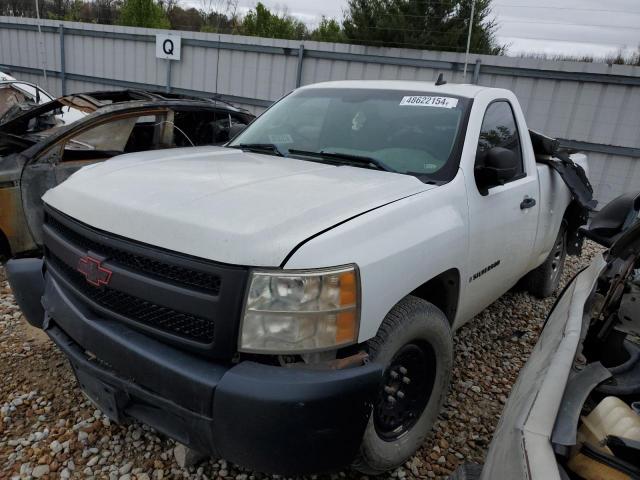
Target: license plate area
point(108, 399)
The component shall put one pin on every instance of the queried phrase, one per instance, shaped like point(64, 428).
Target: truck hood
point(224, 204)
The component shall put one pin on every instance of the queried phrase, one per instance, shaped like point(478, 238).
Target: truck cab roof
point(457, 89)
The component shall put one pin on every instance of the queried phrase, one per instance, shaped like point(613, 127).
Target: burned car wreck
point(574, 412)
point(44, 144)
point(18, 96)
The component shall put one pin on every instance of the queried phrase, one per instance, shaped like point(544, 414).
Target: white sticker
point(428, 101)
point(168, 46)
point(281, 138)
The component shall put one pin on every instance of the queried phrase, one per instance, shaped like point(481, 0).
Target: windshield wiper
point(424, 178)
point(345, 156)
point(260, 148)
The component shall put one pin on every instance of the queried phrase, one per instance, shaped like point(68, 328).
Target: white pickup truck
point(288, 302)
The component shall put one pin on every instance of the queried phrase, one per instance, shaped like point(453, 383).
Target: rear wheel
point(415, 347)
point(544, 280)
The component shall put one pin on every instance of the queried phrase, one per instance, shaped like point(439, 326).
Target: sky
point(570, 27)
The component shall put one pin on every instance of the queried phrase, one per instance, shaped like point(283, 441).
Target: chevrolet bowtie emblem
point(93, 271)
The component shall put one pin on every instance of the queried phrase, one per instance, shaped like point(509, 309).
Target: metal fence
point(594, 107)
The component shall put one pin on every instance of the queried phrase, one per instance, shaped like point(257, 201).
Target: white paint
point(168, 46)
point(221, 203)
point(4, 77)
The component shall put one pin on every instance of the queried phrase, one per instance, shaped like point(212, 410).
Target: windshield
point(408, 132)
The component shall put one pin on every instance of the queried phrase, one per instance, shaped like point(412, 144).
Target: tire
point(414, 336)
point(544, 280)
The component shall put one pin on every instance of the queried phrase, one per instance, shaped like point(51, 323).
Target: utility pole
point(41, 42)
point(466, 55)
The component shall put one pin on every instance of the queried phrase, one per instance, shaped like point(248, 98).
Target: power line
point(543, 22)
point(577, 9)
point(554, 8)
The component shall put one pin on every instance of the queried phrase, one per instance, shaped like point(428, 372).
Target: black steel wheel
point(414, 347)
point(406, 389)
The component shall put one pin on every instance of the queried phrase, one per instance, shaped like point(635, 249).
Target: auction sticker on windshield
point(429, 101)
point(281, 138)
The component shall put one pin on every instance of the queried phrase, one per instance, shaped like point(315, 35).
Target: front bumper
point(272, 419)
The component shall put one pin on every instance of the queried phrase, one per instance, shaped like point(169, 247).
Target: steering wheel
point(402, 137)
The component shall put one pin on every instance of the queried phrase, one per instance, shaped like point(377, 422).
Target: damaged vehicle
point(45, 144)
point(17, 96)
point(15, 93)
point(288, 301)
point(574, 412)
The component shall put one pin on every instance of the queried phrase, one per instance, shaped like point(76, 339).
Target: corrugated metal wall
point(580, 102)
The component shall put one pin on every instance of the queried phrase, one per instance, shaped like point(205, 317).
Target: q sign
point(168, 46)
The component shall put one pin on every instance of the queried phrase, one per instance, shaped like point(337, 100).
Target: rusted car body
point(45, 144)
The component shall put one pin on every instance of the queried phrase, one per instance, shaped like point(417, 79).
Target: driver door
point(502, 223)
point(96, 143)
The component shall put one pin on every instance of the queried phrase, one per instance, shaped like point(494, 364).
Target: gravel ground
point(49, 430)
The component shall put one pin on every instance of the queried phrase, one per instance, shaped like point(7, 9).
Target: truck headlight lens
point(301, 310)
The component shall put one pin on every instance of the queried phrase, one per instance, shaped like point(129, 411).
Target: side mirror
point(498, 166)
point(236, 129)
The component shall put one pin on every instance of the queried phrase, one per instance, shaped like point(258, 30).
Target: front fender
point(397, 248)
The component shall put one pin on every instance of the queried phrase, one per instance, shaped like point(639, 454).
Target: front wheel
point(415, 346)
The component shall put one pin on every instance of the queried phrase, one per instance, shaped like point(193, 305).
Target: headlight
point(301, 310)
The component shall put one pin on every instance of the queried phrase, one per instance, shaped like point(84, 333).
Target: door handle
point(528, 202)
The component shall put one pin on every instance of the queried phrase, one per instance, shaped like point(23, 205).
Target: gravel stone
point(187, 457)
point(126, 468)
point(50, 430)
point(40, 471)
point(55, 446)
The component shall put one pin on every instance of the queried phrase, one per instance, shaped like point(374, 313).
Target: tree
point(328, 30)
point(79, 11)
point(428, 24)
point(182, 19)
point(219, 16)
point(105, 11)
point(143, 13)
point(261, 22)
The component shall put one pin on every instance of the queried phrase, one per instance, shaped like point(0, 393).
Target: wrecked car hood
point(224, 204)
point(588, 349)
point(521, 446)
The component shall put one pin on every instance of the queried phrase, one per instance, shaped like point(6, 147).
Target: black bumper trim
point(171, 373)
point(293, 421)
point(134, 401)
point(27, 284)
point(268, 418)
